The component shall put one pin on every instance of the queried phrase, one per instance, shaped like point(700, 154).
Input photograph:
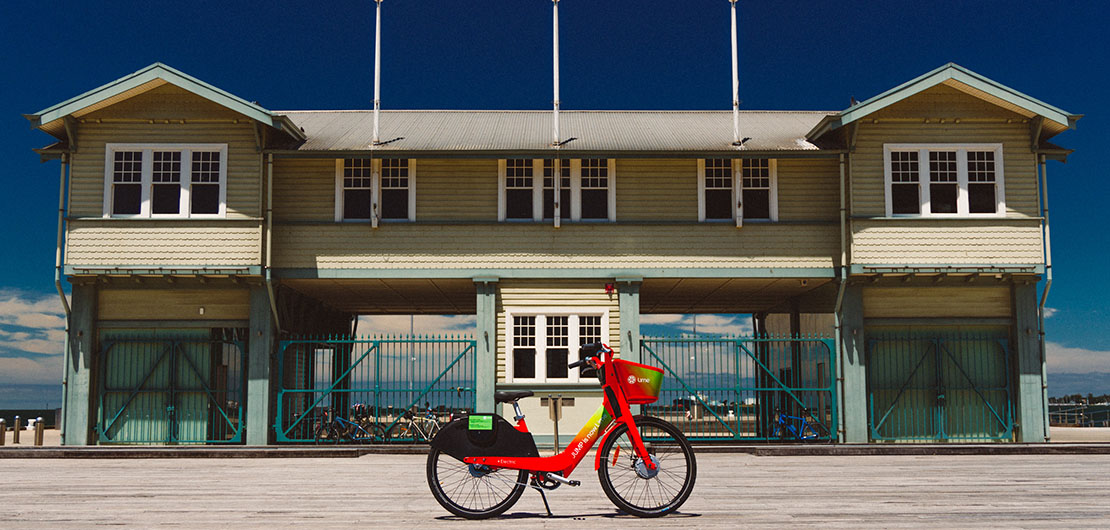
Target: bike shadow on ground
point(616, 514)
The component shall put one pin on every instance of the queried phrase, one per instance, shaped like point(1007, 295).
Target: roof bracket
point(71, 132)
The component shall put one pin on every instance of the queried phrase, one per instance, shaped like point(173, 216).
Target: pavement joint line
point(354, 452)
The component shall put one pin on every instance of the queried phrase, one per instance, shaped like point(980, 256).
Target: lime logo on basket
point(631, 379)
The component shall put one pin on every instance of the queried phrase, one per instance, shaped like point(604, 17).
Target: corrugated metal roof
point(595, 131)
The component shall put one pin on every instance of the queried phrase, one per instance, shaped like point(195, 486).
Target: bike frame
point(613, 412)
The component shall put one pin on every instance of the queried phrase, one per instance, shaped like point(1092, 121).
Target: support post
point(629, 301)
point(485, 361)
point(260, 349)
point(80, 341)
point(1031, 407)
point(853, 384)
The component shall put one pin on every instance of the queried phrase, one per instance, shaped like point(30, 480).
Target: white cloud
point(421, 324)
point(1064, 360)
point(1050, 311)
point(31, 325)
point(21, 370)
point(703, 324)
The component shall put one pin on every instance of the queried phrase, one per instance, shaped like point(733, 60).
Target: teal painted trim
point(951, 269)
point(478, 274)
point(259, 419)
point(485, 361)
point(79, 407)
point(1031, 405)
point(853, 384)
point(146, 75)
point(237, 270)
point(963, 75)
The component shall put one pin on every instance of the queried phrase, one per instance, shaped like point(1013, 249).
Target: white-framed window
point(372, 190)
point(718, 182)
point(586, 190)
point(173, 181)
point(944, 180)
point(540, 343)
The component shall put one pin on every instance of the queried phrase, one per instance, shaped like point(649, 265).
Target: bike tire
point(399, 433)
point(469, 491)
point(655, 495)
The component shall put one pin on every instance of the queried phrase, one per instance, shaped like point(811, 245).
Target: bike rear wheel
point(634, 488)
point(471, 491)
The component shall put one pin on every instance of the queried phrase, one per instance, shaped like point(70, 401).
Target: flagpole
point(735, 83)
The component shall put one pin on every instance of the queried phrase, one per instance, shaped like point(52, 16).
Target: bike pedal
point(575, 483)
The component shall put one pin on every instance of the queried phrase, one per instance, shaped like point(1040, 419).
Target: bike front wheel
point(633, 487)
point(473, 491)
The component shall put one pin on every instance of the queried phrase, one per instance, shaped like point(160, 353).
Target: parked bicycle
point(479, 466)
point(805, 427)
point(337, 429)
point(414, 427)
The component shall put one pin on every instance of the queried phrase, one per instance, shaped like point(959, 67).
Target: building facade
point(220, 253)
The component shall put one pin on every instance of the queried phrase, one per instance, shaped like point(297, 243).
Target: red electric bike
point(479, 466)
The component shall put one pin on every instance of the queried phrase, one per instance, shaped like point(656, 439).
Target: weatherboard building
point(220, 253)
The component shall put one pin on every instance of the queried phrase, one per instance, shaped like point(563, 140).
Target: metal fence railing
point(939, 386)
point(395, 388)
point(158, 389)
point(735, 388)
point(1079, 415)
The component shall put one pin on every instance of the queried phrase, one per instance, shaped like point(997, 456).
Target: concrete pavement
point(733, 490)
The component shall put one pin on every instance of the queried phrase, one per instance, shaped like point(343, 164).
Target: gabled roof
point(151, 77)
point(961, 79)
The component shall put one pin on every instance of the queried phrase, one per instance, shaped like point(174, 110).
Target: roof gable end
point(147, 78)
point(957, 77)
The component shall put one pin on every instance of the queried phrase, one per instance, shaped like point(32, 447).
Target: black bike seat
point(509, 397)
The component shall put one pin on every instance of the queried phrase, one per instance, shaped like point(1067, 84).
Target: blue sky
point(495, 54)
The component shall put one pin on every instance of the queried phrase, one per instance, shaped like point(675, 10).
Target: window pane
point(942, 198)
point(524, 363)
point(981, 198)
point(205, 198)
point(524, 350)
point(558, 342)
point(589, 330)
point(165, 198)
point(128, 166)
point(356, 203)
point(903, 166)
point(595, 204)
point(395, 203)
point(206, 166)
point(549, 203)
point(757, 204)
point(127, 199)
point(518, 203)
point(905, 199)
point(718, 204)
point(557, 360)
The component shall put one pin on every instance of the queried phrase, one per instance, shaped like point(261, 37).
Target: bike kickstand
point(544, 497)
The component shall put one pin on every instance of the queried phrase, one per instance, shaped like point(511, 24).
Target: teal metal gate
point(939, 386)
point(171, 389)
point(732, 388)
point(381, 383)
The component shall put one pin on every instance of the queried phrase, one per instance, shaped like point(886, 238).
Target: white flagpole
point(735, 82)
point(555, 57)
point(377, 69)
